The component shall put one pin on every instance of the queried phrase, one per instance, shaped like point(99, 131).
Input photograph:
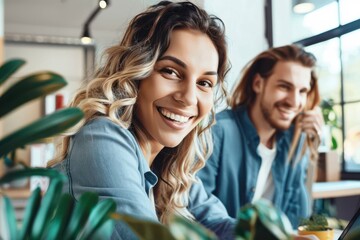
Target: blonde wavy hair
point(263, 64)
point(114, 90)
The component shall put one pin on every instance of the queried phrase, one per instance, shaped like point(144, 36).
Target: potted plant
point(316, 225)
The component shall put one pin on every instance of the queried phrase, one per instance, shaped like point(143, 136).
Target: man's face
point(283, 95)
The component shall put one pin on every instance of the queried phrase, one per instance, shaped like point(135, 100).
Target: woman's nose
point(186, 94)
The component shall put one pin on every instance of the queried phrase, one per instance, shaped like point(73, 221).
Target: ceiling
point(70, 13)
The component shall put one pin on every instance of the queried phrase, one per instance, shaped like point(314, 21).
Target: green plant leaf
point(98, 216)
point(10, 218)
point(61, 218)
point(246, 222)
point(45, 127)
point(145, 230)
point(269, 221)
point(105, 231)
point(48, 206)
point(182, 228)
point(80, 214)
point(29, 172)
point(260, 220)
point(8, 68)
point(29, 88)
point(32, 207)
point(334, 144)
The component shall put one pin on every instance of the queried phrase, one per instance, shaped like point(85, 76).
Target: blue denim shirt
point(105, 158)
point(232, 170)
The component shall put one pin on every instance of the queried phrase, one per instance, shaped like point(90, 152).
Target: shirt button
point(253, 189)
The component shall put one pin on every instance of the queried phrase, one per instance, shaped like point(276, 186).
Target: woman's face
point(179, 92)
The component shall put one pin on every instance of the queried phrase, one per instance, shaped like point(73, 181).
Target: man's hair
point(264, 64)
point(114, 90)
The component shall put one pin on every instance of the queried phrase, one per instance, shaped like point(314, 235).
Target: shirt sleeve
point(210, 212)
point(103, 159)
point(208, 174)
point(299, 200)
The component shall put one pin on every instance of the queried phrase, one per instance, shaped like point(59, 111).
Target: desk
point(335, 189)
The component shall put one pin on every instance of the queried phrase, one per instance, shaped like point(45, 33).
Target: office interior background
point(47, 34)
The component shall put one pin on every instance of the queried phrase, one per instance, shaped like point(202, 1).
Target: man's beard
point(266, 112)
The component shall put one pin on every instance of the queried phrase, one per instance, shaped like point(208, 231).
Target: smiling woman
point(147, 117)
point(179, 93)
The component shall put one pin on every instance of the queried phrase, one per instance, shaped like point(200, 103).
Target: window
point(332, 32)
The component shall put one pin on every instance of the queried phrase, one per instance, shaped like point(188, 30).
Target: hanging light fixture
point(303, 6)
point(103, 4)
point(86, 37)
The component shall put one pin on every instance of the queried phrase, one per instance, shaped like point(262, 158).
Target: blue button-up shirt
point(232, 170)
point(106, 158)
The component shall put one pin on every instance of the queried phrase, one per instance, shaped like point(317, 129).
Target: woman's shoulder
point(103, 132)
point(103, 125)
point(102, 138)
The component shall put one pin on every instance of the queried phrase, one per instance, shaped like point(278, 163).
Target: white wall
point(245, 30)
point(281, 22)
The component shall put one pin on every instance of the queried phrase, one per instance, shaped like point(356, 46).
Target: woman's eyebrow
point(174, 59)
point(182, 64)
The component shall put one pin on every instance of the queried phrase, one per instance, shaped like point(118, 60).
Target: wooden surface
point(335, 189)
point(23, 193)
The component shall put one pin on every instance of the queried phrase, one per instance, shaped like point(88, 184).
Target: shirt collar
point(242, 115)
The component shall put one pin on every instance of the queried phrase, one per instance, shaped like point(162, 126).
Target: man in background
point(264, 143)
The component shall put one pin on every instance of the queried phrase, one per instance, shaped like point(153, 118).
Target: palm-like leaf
point(31, 209)
point(29, 88)
point(99, 215)
point(262, 221)
point(54, 215)
point(47, 126)
point(8, 68)
point(48, 204)
point(29, 172)
point(61, 218)
point(10, 217)
point(182, 228)
point(80, 214)
point(145, 230)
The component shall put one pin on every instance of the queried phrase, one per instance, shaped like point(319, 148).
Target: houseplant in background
point(55, 215)
point(331, 121)
point(316, 225)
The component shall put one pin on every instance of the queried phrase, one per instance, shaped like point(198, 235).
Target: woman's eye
point(169, 71)
point(207, 84)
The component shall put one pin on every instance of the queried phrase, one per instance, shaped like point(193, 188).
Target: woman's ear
point(258, 83)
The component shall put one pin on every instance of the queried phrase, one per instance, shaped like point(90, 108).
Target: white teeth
point(174, 116)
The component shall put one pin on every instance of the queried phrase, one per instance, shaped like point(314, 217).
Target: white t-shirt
point(265, 184)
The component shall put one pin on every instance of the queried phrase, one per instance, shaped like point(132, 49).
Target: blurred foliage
point(261, 220)
point(316, 222)
point(331, 119)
